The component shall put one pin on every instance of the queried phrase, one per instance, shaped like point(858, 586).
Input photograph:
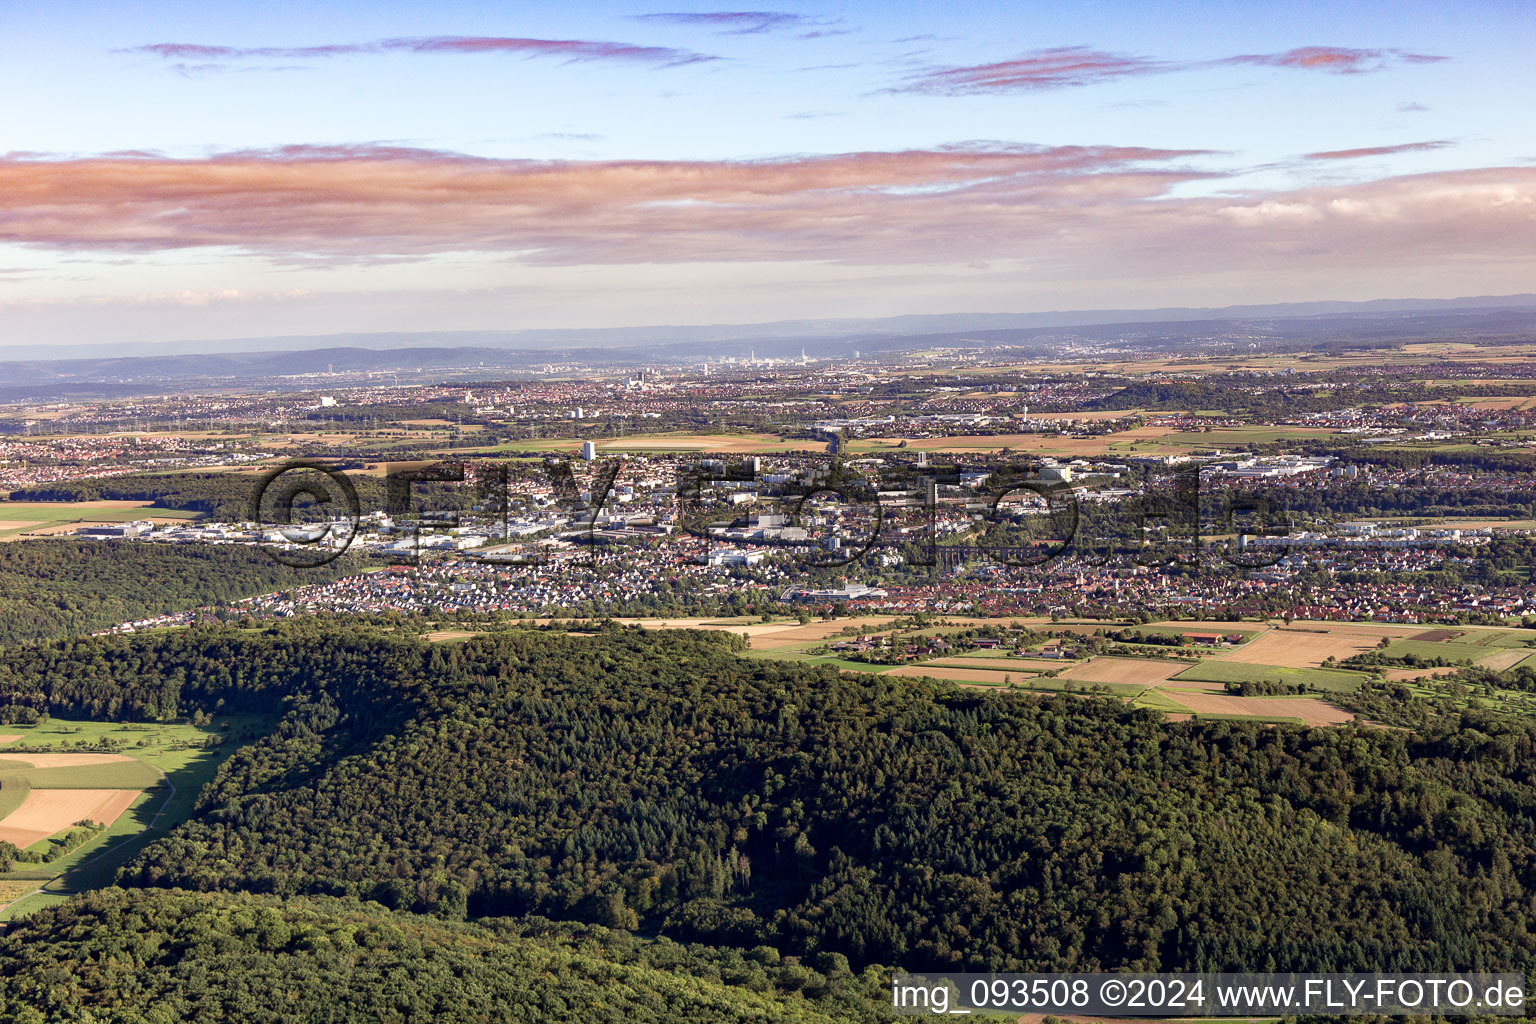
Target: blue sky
point(182, 171)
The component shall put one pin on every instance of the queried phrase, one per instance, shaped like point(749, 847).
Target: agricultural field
point(773, 636)
point(20, 519)
point(1236, 437)
point(1488, 648)
point(1143, 439)
point(1009, 677)
point(804, 656)
point(764, 444)
point(45, 813)
point(1301, 648)
point(781, 633)
point(1247, 630)
point(768, 636)
point(1156, 684)
point(1406, 675)
point(1498, 402)
point(987, 677)
point(726, 443)
point(1179, 688)
point(1452, 651)
point(1220, 670)
point(1304, 710)
point(1135, 671)
point(988, 657)
point(979, 659)
point(1075, 416)
point(75, 771)
point(1157, 700)
point(1499, 650)
point(47, 784)
point(1035, 444)
point(1492, 638)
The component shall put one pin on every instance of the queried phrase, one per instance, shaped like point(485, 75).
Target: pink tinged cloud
point(571, 49)
point(1338, 60)
point(1099, 211)
point(1055, 68)
point(1406, 147)
point(730, 22)
point(1068, 66)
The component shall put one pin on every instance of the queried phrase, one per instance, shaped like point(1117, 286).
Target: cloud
point(1043, 69)
point(198, 51)
point(746, 23)
point(389, 236)
point(190, 70)
point(370, 200)
point(1406, 147)
point(1067, 66)
point(1338, 60)
point(732, 22)
point(1072, 213)
point(200, 57)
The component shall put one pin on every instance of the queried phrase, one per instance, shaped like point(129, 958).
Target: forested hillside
point(57, 587)
point(225, 496)
point(192, 959)
point(658, 781)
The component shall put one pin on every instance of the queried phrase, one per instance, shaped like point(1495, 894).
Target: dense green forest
point(180, 958)
point(56, 587)
point(659, 782)
point(224, 496)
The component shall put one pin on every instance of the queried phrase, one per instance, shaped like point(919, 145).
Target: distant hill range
point(107, 370)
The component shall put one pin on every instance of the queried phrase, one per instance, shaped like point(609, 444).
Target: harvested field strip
point(59, 760)
point(1142, 671)
point(1224, 671)
point(991, 664)
point(46, 812)
point(767, 635)
point(1309, 710)
point(1504, 659)
point(1408, 675)
point(1495, 638)
point(1296, 649)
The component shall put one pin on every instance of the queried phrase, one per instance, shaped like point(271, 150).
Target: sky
point(186, 171)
